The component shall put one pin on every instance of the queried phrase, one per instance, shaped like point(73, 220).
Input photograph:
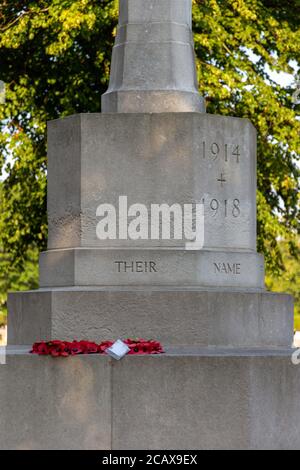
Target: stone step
point(176, 317)
point(207, 400)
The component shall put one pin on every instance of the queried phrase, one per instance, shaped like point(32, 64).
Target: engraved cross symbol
point(222, 179)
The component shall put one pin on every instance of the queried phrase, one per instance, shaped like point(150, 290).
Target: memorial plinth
point(151, 286)
point(227, 380)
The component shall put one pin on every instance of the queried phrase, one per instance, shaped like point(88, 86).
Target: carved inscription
point(222, 180)
point(227, 268)
point(225, 152)
point(136, 266)
point(226, 207)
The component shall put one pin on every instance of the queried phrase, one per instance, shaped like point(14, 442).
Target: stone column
point(153, 61)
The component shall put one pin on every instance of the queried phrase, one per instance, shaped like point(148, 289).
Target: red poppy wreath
point(58, 348)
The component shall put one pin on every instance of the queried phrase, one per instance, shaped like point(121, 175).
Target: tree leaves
point(229, 36)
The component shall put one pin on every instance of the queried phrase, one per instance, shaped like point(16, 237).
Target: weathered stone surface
point(48, 404)
point(29, 316)
point(209, 399)
point(201, 402)
point(189, 317)
point(152, 102)
point(180, 158)
point(153, 61)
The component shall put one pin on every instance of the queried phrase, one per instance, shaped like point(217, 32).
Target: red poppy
point(58, 348)
point(104, 346)
point(88, 347)
point(40, 348)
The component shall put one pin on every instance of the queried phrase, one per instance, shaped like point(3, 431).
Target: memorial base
point(175, 316)
point(186, 399)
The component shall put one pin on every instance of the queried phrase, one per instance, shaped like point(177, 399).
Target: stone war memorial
point(152, 234)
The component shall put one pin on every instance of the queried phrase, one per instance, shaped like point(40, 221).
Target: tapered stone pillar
point(153, 61)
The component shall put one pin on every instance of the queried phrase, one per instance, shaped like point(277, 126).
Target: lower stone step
point(176, 317)
point(205, 399)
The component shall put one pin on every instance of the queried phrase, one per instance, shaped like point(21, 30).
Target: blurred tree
point(55, 58)
point(237, 43)
point(12, 277)
point(289, 281)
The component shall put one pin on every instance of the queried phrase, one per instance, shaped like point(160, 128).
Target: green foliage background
point(55, 59)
